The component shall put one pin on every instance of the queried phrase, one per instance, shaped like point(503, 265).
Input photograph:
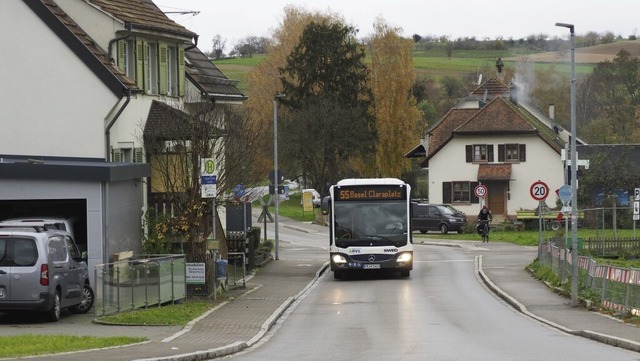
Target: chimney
point(552, 111)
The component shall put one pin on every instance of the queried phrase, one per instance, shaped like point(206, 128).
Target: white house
point(492, 139)
point(79, 85)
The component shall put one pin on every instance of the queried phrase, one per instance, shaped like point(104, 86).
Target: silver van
point(42, 269)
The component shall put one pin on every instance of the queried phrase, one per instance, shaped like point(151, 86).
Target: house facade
point(80, 87)
point(491, 138)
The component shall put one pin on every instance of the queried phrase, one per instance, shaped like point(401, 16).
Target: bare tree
point(218, 46)
point(175, 144)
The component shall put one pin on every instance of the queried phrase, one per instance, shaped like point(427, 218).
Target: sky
point(235, 20)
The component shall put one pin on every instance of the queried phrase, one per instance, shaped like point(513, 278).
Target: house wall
point(93, 21)
point(67, 102)
point(542, 163)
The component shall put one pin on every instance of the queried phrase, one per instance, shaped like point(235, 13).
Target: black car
point(436, 217)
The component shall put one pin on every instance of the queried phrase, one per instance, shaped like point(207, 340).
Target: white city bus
point(369, 226)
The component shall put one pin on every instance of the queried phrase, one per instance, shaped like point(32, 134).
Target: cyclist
point(484, 216)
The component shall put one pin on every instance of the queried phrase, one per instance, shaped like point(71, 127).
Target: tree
point(264, 79)
point(327, 68)
point(397, 118)
point(617, 89)
point(218, 45)
point(174, 148)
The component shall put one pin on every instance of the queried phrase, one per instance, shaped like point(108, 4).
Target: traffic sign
point(565, 193)
point(539, 191)
point(480, 191)
point(636, 194)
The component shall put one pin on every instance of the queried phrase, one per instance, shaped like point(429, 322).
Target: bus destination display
point(362, 193)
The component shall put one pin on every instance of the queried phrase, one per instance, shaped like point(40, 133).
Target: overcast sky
point(238, 19)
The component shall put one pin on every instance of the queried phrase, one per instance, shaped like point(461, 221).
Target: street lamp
point(276, 179)
point(574, 172)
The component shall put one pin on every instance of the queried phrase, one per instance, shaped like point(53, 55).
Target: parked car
point(42, 269)
point(436, 217)
point(316, 200)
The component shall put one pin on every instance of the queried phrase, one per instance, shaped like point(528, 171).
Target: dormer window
point(155, 66)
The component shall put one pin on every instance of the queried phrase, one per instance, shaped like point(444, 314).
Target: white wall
point(542, 163)
point(52, 103)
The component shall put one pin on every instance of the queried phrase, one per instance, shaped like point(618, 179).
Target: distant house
point(81, 86)
point(491, 138)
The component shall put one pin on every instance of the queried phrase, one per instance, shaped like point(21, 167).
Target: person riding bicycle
point(484, 215)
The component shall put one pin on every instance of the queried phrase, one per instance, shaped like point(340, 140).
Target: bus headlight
point(339, 259)
point(404, 257)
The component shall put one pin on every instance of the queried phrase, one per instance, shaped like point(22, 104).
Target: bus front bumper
point(399, 261)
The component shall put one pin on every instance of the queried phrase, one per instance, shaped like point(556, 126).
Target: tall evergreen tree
point(325, 82)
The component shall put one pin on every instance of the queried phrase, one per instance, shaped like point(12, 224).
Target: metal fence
point(139, 282)
point(617, 288)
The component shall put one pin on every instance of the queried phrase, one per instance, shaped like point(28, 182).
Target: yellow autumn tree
point(264, 80)
point(397, 116)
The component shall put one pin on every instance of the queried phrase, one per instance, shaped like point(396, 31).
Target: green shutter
point(121, 53)
point(140, 50)
point(116, 155)
point(162, 68)
point(181, 73)
point(138, 155)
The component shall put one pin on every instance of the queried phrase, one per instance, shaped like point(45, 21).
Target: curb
point(607, 339)
point(241, 345)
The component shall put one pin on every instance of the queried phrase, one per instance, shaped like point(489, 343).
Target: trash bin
point(221, 269)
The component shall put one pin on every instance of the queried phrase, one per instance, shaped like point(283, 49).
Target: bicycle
point(483, 230)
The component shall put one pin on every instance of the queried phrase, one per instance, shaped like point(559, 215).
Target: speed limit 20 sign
point(539, 190)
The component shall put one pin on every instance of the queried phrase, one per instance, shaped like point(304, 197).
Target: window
point(460, 192)
point(479, 153)
point(512, 153)
point(151, 63)
point(172, 68)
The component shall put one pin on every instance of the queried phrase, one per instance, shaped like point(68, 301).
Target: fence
point(617, 288)
point(139, 282)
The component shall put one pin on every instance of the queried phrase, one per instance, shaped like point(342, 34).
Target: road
point(442, 312)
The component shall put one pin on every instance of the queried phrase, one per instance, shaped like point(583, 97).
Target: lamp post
point(276, 178)
point(574, 172)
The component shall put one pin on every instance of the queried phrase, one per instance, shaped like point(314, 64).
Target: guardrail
point(139, 282)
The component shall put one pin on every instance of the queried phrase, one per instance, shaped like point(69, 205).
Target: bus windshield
point(370, 223)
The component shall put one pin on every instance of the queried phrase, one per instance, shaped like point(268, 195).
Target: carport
point(107, 196)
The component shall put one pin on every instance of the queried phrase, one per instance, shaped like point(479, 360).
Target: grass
point(171, 315)
point(33, 345)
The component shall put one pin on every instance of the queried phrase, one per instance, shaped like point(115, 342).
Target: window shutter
point(469, 153)
point(522, 152)
point(490, 153)
point(181, 73)
point(140, 49)
point(138, 155)
point(116, 155)
point(163, 69)
point(121, 54)
point(500, 152)
point(472, 188)
point(446, 192)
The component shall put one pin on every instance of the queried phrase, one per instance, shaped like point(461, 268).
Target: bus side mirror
point(325, 206)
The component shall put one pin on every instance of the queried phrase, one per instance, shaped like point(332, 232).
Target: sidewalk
point(240, 323)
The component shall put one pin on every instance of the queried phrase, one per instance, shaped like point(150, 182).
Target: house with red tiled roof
point(82, 83)
point(491, 138)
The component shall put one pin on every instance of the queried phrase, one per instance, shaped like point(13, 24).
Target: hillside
point(591, 55)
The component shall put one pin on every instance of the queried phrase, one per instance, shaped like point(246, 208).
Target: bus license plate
point(371, 266)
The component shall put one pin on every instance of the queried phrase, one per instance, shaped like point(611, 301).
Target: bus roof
point(370, 181)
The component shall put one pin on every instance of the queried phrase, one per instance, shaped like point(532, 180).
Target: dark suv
point(436, 217)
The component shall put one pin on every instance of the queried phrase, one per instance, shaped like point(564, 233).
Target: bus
point(369, 226)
